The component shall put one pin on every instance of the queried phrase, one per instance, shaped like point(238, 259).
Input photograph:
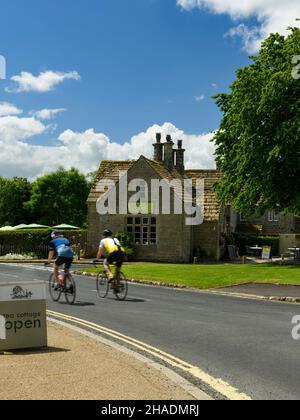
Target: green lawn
point(212, 276)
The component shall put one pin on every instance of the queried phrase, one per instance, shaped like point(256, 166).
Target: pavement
point(279, 292)
point(77, 366)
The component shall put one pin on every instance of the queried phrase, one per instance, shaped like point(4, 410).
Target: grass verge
point(211, 276)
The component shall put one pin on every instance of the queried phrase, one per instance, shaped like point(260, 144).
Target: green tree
point(60, 197)
point(14, 193)
point(258, 143)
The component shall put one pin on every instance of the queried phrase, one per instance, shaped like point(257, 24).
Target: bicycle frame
point(58, 288)
point(118, 284)
point(65, 272)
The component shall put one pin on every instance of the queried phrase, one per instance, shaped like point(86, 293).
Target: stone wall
point(207, 239)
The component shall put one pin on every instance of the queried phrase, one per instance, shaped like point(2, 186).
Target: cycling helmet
point(56, 234)
point(107, 233)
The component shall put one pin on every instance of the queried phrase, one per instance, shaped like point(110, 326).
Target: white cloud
point(85, 150)
point(272, 16)
point(9, 109)
point(251, 37)
point(44, 82)
point(199, 148)
point(47, 114)
point(17, 157)
point(13, 128)
point(199, 98)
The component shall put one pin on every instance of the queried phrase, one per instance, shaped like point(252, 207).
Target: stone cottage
point(158, 235)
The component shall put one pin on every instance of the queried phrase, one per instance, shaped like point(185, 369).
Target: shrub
point(126, 240)
point(199, 253)
point(242, 240)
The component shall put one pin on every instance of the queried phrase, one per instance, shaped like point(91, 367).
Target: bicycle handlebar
point(97, 262)
point(47, 265)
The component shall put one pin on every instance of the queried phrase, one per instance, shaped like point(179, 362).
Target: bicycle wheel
point(102, 285)
point(121, 288)
point(70, 289)
point(54, 288)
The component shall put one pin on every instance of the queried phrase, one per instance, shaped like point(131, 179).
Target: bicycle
point(68, 288)
point(118, 284)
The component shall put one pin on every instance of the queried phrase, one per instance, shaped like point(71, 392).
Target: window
point(270, 216)
point(143, 230)
point(143, 191)
point(273, 216)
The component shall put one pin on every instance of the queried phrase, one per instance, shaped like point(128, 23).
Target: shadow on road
point(78, 304)
point(128, 300)
point(133, 300)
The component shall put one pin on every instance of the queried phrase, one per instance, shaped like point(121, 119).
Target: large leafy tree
point(60, 197)
point(14, 193)
point(258, 143)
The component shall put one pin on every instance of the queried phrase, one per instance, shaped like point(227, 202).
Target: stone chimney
point(180, 158)
point(169, 153)
point(158, 148)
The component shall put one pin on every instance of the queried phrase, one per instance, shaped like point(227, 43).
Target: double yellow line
point(218, 385)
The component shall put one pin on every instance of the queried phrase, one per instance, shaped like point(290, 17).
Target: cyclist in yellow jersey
point(111, 247)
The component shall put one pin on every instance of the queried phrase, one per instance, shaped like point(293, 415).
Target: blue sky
point(141, 63)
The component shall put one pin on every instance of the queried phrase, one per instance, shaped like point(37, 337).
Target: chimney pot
point(169, 138)
point(158, 148)
point(169, 153)
point(180, 158)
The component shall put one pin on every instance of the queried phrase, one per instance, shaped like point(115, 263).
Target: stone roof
point(203, 173)
point(164, 172)
point(212, 207)
point(110, 169)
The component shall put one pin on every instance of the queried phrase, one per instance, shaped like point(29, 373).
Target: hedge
point(243, 240)
point(35, 241)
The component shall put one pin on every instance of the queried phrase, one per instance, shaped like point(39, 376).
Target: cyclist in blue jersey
point(61, 247)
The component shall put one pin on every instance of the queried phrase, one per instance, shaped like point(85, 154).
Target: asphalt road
point(247, 343)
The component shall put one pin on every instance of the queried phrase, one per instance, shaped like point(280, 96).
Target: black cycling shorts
point(116, 257)
point(63, 260)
